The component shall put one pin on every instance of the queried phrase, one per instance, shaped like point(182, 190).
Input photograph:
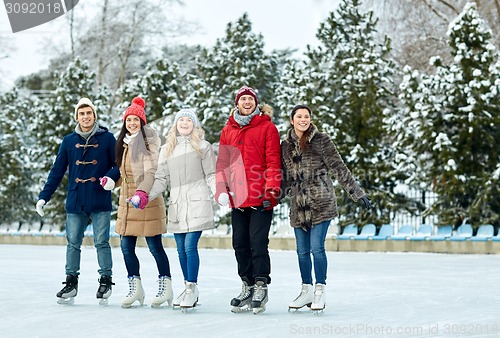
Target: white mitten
point(107, 183)
point(39, 207)
point(224, 198)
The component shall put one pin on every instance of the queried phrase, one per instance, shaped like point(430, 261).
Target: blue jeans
point(128, 244)
point(75, 227)
point(312, 241)
point(187, 249)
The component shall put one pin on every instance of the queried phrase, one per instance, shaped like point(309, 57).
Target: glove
point(224, 198)
point(139, 200)
point(270, 199)
point(107, 183)
point(366, 202)
point(39, 207)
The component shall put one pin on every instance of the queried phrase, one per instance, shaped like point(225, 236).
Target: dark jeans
point(250, 241)
point(128, 244)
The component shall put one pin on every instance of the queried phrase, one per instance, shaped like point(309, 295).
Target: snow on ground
point(369, 295)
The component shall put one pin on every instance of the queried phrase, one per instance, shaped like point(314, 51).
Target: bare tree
point(6, 50)
point(102, 42)
point(122, 34)
point(418, 27)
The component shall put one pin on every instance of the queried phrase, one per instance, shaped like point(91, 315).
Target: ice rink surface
point(368, 295)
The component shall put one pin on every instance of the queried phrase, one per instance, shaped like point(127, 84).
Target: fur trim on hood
point(264, 109)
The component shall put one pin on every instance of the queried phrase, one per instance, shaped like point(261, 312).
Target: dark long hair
point(304, 144)
point(119, 141)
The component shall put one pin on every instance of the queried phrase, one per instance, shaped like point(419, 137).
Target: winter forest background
point(408, 90)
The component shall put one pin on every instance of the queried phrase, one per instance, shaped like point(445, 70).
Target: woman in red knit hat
point(137, 150)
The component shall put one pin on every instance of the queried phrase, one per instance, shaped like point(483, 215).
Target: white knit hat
point(85, 101)
point(187, 112)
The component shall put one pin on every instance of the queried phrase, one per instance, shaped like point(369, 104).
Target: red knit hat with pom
point(136, 108)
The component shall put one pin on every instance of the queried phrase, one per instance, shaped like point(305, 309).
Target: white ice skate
point(305, 298)
point(176, 304)
point(165, 293)
point(318, 305)
point(190, 299)
point(135, 292)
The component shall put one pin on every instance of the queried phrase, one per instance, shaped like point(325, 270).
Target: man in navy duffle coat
point(89, 156)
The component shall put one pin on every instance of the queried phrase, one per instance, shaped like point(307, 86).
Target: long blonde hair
point(196, 136)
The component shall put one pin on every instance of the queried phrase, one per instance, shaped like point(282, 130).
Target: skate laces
point(161, 291)
point(131, 287)
point(246, 291)
point(161, 287)
point(259, 292)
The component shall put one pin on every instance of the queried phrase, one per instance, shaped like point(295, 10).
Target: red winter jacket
point(249, 161)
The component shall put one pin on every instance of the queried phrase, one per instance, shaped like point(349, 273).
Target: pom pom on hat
point(187, 112)
point(245, 91)
point(136, 108)
point(85, 102)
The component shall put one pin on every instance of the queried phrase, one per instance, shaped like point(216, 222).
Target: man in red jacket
point(248, 175)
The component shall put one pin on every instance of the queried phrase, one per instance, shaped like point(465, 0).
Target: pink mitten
point(139, 200)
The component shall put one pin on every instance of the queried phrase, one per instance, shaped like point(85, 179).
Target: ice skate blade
point(167, 303)
point(257, 310)
point(237, 309)
point(133, 305)
point(188, 309)
point(296, 309)
point(185, 309)
point(317, 312)
point(103, 301)
point(66, 301)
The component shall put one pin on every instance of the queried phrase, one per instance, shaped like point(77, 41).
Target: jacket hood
point(264, 109)
point(101, 130)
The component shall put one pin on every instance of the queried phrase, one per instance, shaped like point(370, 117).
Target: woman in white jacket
point(187, 167)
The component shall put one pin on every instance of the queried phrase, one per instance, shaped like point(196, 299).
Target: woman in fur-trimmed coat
point(309, 157)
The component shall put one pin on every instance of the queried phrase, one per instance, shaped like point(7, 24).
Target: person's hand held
point(39, 207)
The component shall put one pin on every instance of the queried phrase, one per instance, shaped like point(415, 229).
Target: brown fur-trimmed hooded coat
point(307, 178)
point(140, 175)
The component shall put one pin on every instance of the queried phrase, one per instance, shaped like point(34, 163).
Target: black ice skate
point(68, 293)
point(259, 298)
point(243, 301)
point(104, 290)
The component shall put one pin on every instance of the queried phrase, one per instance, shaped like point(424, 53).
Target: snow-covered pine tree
point(237, 59)
point(295, 87)
point(163, 89)
point(17, 199)
point(355, 93)
point(453, 119)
